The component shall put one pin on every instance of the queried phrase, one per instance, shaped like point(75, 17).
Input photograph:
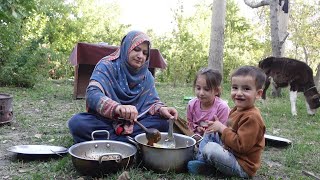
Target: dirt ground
point(10, 136)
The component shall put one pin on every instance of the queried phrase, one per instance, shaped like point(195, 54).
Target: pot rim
point(5, 96)
point(100, 141)
point(165, 133)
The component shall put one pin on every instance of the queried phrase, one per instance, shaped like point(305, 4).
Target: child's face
point(244, 92)
point(203, 93)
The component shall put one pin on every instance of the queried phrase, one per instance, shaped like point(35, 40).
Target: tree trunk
point(275, 42)
point(283, 17)
point(217, 35)
point(279, 15)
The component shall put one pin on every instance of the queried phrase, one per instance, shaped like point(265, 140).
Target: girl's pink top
point(196, 115)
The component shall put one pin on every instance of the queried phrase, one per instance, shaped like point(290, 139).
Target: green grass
point(43, 111)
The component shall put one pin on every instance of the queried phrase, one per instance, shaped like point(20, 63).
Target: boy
point(237, 151)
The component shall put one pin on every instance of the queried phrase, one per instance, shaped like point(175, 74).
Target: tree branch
point(284, 39)
point(254, 4)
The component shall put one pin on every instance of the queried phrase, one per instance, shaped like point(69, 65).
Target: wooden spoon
point(153, 135)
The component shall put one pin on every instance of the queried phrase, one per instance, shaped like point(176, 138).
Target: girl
point(207, 106)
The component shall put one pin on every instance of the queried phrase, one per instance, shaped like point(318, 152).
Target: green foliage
point(13, 10)
point(20, 62)
point(305, 33)
point(44, 33)
point(242, 45)
point(37, 44)
point(186, 48)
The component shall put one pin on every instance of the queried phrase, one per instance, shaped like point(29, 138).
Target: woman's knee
point(75, 123)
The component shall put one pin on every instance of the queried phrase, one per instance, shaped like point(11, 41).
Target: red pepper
point(119, 130)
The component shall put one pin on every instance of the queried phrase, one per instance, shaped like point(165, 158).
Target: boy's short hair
point(253, 71)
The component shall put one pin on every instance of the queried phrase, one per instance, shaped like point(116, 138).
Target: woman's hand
point(127, 112)
point(169, 112)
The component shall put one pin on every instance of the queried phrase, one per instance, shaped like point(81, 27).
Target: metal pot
point(164, 159)
point(99, 157)
point(6, 113)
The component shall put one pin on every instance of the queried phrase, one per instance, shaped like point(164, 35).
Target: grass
point(41, 114)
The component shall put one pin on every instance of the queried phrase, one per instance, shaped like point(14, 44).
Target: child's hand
point(215, 118)
point(200, 129)
point(215, 126)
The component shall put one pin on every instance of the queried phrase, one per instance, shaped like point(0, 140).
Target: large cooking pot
point(99, 157)
point(161, 158)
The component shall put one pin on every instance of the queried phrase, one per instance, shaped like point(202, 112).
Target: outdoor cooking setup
point(98, 157)
point(157, 151)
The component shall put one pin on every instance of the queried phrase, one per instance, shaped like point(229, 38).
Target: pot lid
point(38, 149)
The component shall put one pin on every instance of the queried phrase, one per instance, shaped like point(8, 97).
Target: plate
point(38, 149)
point(276, 141)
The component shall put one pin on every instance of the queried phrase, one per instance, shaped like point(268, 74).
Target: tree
point(279, 12)
point(186, 49)
point(305, 32)
point(15, 9)
point(38, 36)
point(217, 35)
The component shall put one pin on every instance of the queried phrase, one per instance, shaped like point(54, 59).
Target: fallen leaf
point(51, 140)
point(23, 170)
point(276, 131)
point(124, 176)
point(38, 136)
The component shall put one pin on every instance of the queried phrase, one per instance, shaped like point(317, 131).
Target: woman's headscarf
point(121, 82)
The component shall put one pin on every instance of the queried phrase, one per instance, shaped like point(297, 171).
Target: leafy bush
point(23, 67)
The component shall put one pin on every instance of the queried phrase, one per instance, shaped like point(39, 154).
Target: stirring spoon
point(153, 135)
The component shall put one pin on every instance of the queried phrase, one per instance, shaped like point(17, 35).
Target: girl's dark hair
point(256, 73)
point(213, 78)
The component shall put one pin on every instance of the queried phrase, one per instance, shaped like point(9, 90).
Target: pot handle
point(197, 137)
point(118, 158)
point(99, 131)
point(133, 142)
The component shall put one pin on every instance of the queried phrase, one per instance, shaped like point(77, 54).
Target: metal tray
point(276, 141)
point(38, 149)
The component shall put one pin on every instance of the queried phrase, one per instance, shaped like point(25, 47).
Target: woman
point(121, 88)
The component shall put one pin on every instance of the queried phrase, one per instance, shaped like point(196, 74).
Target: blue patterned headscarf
point(121, 82)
